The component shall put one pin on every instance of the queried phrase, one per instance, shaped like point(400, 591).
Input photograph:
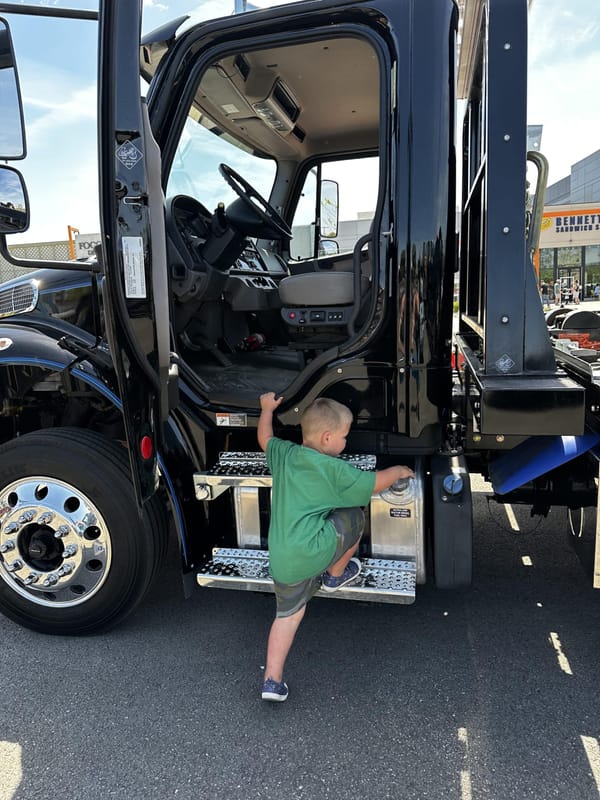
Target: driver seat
point(320, 304)
point(321, 308)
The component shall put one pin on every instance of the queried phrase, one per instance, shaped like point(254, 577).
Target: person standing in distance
point(316, 519)
point(557, 293)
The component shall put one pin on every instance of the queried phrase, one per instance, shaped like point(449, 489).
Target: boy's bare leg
point(335, 570)
point(283, 631)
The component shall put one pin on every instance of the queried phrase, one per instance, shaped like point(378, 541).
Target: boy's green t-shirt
point(307, 486)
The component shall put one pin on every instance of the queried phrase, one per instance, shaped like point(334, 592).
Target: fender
point(26, 344)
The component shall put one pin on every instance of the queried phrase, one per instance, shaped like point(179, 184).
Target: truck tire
point(75, 555)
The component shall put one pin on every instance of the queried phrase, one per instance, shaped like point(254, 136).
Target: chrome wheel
point(55, 547)
point(76, 554)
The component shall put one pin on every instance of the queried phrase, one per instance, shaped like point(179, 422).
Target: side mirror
point(12, 131)
point(14, 208)
point(329, 211)
point(328, 247)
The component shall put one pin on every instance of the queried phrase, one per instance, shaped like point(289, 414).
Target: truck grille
point(18, 299)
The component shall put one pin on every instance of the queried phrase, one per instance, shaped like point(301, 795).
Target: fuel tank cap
point(400, 493)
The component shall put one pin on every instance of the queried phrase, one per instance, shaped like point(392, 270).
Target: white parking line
point(563, 661)
point(592, 751)
point(466, 792)
point(512, 520)
point(11, 771)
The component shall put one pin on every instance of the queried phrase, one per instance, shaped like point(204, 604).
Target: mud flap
point(452, 527)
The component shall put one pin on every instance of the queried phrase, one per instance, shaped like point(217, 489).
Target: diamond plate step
point(235, 469)
point(381, 580)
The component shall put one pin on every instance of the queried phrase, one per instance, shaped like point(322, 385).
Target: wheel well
point(36, 397)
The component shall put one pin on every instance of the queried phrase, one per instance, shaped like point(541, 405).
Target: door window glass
point(358, 180)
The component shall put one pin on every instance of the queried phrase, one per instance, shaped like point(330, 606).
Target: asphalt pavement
point(485, 693)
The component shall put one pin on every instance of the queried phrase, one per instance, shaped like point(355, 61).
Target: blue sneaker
point(352, 571)
point(272, 690)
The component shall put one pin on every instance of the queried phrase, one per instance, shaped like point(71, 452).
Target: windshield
point(195, 168)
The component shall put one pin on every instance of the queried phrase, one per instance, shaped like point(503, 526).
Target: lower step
point(381, 580)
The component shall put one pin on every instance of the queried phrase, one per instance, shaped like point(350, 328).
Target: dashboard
point(253, 271)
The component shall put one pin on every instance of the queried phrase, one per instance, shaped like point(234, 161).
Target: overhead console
point(278, 108)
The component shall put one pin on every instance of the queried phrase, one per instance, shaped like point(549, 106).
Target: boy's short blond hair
point(324, 414)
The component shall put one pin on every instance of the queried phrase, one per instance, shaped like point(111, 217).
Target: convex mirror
point(329, 209)
point(14, 208)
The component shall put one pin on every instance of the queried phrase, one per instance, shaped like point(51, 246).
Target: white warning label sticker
point(128, 154)
point(232, 420)
point(133, 265)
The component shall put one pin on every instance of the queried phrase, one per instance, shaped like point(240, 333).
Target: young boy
point(316, 519)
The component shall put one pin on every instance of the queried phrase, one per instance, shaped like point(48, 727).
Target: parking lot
point(486, 693)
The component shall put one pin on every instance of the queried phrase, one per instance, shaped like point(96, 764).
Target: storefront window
point(569, 256)
point(547, 265)
point(592, 255)
point(592, 269)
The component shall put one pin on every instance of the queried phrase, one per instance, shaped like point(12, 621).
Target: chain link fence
point(44, 251)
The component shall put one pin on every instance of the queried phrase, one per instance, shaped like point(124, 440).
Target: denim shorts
point(349, 524)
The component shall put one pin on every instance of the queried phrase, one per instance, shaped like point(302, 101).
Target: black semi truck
point(130, 381)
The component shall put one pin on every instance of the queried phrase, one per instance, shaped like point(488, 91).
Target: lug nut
point(45, 518)
point(62, 531)
point(11, 527)
point(16, 565)
point(64, 569)
point(9, 545)
point(26, 516)
point(51, 580)
point(33, 577)
point(69, 550)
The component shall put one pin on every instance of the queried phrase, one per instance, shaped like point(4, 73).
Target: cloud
point(559, 32)
point(154, 12)
point(57, 118)
point(564, 62)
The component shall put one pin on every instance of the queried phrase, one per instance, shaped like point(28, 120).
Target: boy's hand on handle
point(384, 478)
point(268, 404)
point(268, 401)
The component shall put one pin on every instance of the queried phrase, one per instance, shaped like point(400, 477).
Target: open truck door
point(133, 241)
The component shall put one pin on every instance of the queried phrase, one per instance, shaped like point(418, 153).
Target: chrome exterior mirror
point(12, 131)
point(329, 212)
point(14, 208)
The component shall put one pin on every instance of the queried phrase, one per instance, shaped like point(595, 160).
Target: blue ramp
point(536, 456)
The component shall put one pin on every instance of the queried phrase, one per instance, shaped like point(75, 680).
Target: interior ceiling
point(334, 84)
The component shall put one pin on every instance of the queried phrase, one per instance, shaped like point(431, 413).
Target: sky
point(58, 87)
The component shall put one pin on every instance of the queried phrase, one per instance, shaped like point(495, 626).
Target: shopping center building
point(570, 235)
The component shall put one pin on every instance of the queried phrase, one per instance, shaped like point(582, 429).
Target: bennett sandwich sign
point(570, 225)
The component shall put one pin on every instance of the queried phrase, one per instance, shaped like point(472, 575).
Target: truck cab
point(261, 146)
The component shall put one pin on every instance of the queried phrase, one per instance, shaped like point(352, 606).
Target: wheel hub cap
point(55, 548)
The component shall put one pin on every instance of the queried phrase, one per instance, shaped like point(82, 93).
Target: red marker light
point(146, 447)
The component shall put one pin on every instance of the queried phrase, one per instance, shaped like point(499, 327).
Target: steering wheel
point(263, 221)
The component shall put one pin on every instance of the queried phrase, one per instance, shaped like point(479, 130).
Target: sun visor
point(155, 44)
